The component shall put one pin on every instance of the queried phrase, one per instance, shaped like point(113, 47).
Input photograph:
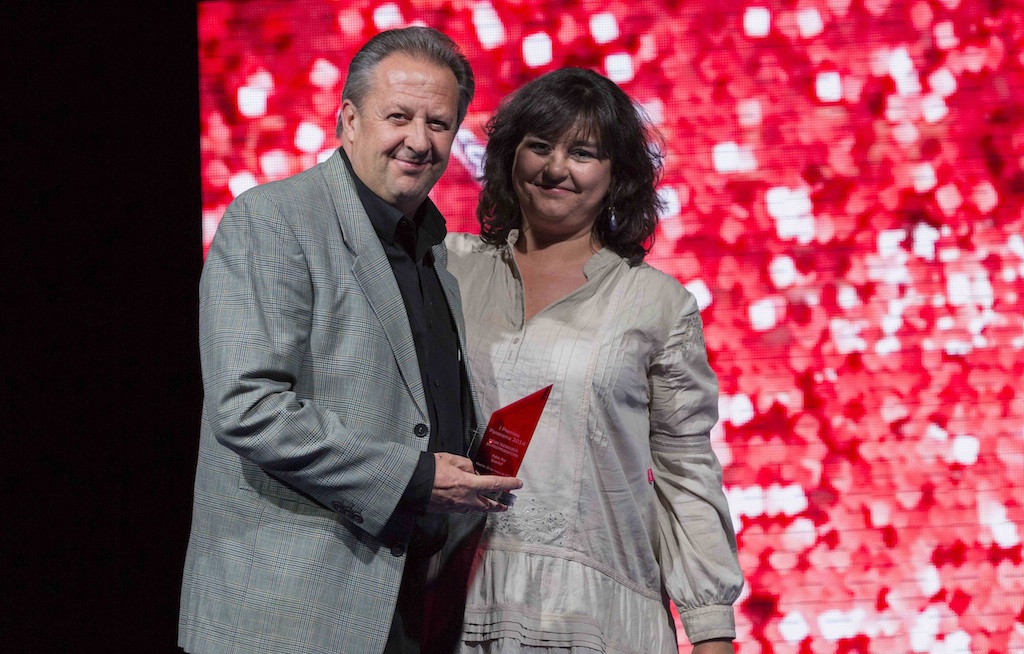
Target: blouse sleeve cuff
point(709, 622)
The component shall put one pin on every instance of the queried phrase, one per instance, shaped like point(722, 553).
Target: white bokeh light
point(828, 86)
point(241, 182)
point(965, 449)
point(252, 97)
point(923, 177)
point(846, 334)
point(810, 23)
point(949, 198)
point(945, 36)
point(619, 67)
point(388, 16)
point(748, 112)
point(993, 514)
point(889, 242)
point(925, 629)
point(747, 501)
point(923, 240)
point(537, 50)
point(700, 292)
point(836, 624)
point(985, 197)
point(901, 69)
point(324, 74)
point(791, 209)
point(782, 271)
point(274, 164)
point(788, 500)
point(604, 28)
point(670, 202)
point(763, 314)
point(309, 137)
point(958, 288)
point(793, 627)
point(942, 82)
point(757, 22)
point(730, 157)
point(933, 108)
point(252, 102)
point(736, 409)
point(488, 25)
point(928, 580)
point(800, 535)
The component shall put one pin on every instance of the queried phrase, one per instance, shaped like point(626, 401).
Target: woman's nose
point(554, 166)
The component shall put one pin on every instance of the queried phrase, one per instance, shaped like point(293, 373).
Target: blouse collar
point(602, 259)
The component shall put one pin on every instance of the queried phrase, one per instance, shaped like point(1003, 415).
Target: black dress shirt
point(407, 244)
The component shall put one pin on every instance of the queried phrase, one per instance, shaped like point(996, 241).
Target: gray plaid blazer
point(313, 421)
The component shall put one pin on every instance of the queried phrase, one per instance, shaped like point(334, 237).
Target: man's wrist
point(416, 497)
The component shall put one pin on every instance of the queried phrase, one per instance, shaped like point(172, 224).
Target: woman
point(622, 504)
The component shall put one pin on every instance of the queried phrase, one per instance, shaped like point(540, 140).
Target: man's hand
point(457, 487)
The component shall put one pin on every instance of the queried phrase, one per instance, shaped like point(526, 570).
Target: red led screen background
point(845, 196)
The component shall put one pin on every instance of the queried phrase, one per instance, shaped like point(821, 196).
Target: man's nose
point(417, 138)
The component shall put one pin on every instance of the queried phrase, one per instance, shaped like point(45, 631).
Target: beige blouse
point(622, 499)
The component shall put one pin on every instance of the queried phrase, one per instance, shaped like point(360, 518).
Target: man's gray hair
point(419, 42)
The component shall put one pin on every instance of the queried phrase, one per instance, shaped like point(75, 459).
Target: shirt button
point(420, 430)
point(515, 340)
point(437, 384)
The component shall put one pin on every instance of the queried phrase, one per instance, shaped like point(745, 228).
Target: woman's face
point(561, 185)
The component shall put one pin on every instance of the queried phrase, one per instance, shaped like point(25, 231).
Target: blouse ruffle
point(541, 600)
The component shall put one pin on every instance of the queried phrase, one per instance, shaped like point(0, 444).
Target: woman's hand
point(714, 647)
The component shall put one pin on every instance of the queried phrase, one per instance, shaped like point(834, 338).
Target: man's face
point(399, 141)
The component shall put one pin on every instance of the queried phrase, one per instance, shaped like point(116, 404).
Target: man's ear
point(349, 120)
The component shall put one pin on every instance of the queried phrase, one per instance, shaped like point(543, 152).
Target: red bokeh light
point(846, 190)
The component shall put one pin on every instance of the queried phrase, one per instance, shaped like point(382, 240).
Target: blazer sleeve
point(697, 543)
point(257, 297)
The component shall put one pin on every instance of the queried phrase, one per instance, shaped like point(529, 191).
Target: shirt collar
point(386, 218)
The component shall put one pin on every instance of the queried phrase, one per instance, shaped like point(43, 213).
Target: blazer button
point(420, 430)
point(338, 507)
point(398, 550)
point(356, 517)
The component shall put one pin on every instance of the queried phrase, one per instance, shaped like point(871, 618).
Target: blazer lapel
point(374, 275)
point(474, 419)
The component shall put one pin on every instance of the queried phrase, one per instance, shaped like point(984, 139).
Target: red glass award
point(508, 435)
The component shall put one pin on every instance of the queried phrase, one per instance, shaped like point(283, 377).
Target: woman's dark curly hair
point(574, 99)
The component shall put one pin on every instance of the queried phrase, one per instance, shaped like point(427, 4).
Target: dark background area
point(102, 256)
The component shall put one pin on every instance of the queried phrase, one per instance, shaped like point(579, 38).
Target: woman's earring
point(613, 221)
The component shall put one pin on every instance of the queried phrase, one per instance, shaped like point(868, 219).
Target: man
point(334, 504)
